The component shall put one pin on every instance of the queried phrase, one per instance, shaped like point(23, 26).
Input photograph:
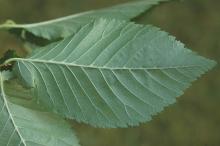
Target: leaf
point(65, 26)
point(21, 126)
point(111, 73)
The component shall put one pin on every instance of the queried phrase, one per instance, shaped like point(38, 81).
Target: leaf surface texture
point(20, 126)
point(111, 73)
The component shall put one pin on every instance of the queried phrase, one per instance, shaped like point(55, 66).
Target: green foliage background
point(194, 119)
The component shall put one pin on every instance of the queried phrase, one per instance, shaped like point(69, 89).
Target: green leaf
point(65, 26)
point(111, 73)
point(20, 126)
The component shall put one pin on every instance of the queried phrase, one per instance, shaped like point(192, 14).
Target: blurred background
point(195, 119)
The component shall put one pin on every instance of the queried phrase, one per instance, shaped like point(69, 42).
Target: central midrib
point(95, 67)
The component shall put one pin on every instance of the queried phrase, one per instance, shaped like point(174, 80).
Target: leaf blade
point(21, 126)
point(65, 26)
point(110, 81)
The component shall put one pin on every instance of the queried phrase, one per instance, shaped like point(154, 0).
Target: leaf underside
point(111, 73)
point(20, 126)
point(66, 26)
